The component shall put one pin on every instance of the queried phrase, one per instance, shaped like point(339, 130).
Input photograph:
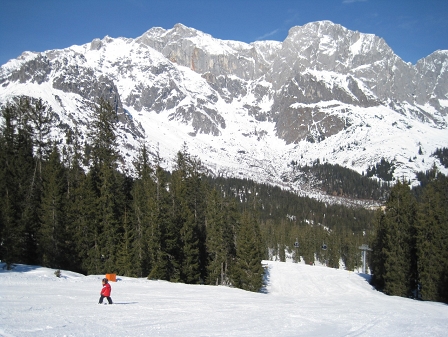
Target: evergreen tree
point(334, 250)
point(190, 271)
point(281, 250)
point(225, 224)
point(102, 135)
point(308, 242)
point(144, 248)
point(111, 205)
point(395, 263)
point(125, 264)
point(40, 121)
point(185, 219)
point(18, 194)
point(163, 264)
point(179, 215)
point(88, 229)
point(76, 218)
point(106, 185)
point(432, 240)
point(52, 231)
point(31, 180)
point(247, 273)
point(350, 252)
point(216, 239)
point(36, 118)
point(12, 231)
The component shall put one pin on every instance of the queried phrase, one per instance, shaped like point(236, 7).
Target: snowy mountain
point(298, 300)
point(250, 110)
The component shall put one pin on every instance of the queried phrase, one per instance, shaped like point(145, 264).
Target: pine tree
point(12, 231)
point(88, 229)
point(76, 219)
point(185, 216)
point(30, 181)
point(432, 240)
point(215, 242)
point(105, 185)
point(247, 273)
point(102, 135)
point(110, 217)
point(190, 270)
point(395, 262)
point(40, 120)
point(173, 240)
point(18, 195)
point(52, 231)
point(334, 250)
point(308, 242)
point(163, 264)
point(350, 252)
point(231, 227)
point(125, 263)
point(36, 118)
point(143, 194)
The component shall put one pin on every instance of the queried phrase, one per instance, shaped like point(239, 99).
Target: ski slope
point(298, 300)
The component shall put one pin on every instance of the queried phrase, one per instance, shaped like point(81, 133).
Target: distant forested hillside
point(340, 181)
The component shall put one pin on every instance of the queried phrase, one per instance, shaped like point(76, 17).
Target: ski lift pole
point(364, 249)
point(296, 245)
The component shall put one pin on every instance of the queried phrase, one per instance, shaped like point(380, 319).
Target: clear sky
point(412, 28)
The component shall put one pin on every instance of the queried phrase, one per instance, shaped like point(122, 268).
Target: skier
point(105, 291)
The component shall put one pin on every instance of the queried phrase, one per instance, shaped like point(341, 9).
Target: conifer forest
point(67, 204)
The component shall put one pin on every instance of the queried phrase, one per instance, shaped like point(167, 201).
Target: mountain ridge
point(249, 110)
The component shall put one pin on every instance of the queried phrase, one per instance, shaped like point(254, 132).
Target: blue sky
point(413, 29)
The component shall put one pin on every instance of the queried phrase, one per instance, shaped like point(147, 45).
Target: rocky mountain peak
point(318, 28)
point(184, 31)
point(328, 46)
point(249, 110)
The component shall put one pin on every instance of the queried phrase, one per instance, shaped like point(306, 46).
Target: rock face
point(323, 91)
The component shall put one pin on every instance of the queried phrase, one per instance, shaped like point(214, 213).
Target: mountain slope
point(249, 110)
point(299, 300)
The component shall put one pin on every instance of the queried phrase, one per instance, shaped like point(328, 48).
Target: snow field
point(298, 300)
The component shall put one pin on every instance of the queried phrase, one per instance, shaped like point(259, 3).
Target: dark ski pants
point(107, 297)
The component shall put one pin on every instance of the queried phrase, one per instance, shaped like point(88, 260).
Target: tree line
point(383, 170)
point(410, 242)
point(286, 218)
point(73, 209)
point(68, 206)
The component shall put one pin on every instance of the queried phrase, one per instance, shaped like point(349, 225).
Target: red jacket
point(106, 290)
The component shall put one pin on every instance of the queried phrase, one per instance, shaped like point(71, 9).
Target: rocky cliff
point(248, 110)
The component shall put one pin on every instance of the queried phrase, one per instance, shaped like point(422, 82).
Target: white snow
point(443, 103)
point(299, 300)
point(356, 47)
point(245, 147)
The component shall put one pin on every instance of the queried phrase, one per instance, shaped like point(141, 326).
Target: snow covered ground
point(299, 300)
